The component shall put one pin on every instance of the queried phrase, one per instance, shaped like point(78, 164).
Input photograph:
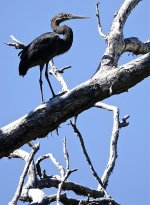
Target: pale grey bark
point(113, 142)
point(47, 117)
point(56, 73)
point(32, 190)
point(99, 22)
point(108, 80)
point(135, 46)
point(24, 173)
point(115, 38)
point(16, 43)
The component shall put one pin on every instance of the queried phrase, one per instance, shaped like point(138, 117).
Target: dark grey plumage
point(45, 47)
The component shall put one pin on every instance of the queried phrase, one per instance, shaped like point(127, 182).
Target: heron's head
point(64, 17)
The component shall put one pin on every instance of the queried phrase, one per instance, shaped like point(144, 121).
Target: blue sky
point(130, 182)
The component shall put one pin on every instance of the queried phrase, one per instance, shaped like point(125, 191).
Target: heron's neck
point(67, 32)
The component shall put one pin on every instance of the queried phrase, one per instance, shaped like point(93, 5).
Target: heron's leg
point(41, 82)
point(47, 78)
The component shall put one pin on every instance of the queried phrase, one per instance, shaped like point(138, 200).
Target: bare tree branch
point(22, 177)
point(56, 74)
point(37, 164)
point(70, 201)
point(99, 22)
point(57, 164)
point(38, 197)
point(122, 15)
point(64, 176)
point(69, 186)
point(135, 46)
point(66, 154)
point(115, 38)
point(113, 143)
point(77, 132)
point(32, 177)
point(17, 44)
point(47, 117)
point(61, 70)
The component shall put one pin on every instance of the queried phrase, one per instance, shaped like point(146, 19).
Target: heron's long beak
point(79, 17)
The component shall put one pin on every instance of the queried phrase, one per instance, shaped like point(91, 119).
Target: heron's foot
point(42, 102)
point(59, 94)
point(63, 91)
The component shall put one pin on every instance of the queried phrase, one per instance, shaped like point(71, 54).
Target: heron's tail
point(22, 68)
point(23, 62)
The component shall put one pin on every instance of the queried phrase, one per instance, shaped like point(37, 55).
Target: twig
point(22, 177)
point(37, 164)
point(99, 22)
point(57, 164)
point(123, 122)
point(63, 179)
point(67, 172)
point(17, 44)
point(57, 75)
point(53, 159)
point(88, 158)
point(66, 154)
point(32, 177)
point(61, 70)
point(114, 140)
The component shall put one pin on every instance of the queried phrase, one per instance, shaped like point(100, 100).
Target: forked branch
point(16, 43)
point(22, 177)
point(114, 140)
point(66, 174)
point(56, 73)
point(115, 38)
point(77, 132)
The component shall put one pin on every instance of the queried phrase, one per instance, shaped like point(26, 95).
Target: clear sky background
point(130, 181)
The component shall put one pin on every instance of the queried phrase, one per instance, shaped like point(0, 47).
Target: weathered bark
point(108, 80)
point(47, 117)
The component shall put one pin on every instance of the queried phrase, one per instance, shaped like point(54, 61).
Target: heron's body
point(42, 49)
point(45, 47)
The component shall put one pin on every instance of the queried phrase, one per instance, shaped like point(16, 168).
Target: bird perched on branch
point(45, 47)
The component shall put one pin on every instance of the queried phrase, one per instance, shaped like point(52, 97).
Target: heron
point(45, 47)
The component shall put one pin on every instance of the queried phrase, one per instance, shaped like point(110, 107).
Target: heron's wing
point(44, 47)
point(40, 51)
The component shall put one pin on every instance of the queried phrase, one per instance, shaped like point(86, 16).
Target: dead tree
point(108, 80)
